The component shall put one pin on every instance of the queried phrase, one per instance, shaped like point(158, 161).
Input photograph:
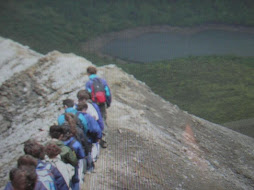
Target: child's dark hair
point(81, 106)
point(52, 150)
point(33, 148)
point(83, 95)
point(23, 178)
point(27, 160)
point(55, 131)
point(68, 102)
point(91, 70)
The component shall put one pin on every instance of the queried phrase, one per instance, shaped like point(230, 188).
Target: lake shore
point(95, 45)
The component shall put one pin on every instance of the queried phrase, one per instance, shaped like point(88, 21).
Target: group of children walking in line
point(75, 143)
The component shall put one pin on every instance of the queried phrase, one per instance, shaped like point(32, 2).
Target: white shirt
point(92, 111)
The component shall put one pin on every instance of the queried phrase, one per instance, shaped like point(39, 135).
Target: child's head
point(52, 150)
point(91, 70)
point(82, 106)
point(62, 132)
point(27, 160)
point(59, 132)
point(55, 131)
point(83, 95)
point(68, 103)
point(33, 148)
point(23, 178)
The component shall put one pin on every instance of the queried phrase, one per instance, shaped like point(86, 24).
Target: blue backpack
point(45, 176)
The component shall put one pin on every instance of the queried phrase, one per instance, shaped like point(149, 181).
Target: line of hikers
point(75, 143)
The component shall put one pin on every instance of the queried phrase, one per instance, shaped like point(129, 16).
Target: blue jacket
point(99, 121)
point(76, 146)
point(93, 129)
point(61, 118)
point(89, 83)
point(60, 183)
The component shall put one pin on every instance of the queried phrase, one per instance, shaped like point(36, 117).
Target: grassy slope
point(217, 88)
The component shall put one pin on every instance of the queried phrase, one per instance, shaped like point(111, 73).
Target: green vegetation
point(46, 25)
point(219, 89)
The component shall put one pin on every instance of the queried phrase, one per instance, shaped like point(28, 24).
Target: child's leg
point(75, 180)
point(90, 164)
point(81, 171)
point(98, 150)
point(95, 151)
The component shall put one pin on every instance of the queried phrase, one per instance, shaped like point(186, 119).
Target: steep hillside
point(152, 143)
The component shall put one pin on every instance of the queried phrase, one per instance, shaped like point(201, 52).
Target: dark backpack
point(98, 94)
point(78, 122)
point(81, 137)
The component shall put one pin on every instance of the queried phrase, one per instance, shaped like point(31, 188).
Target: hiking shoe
point(90, 170)
point(103, 144)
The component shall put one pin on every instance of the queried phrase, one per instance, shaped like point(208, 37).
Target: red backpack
point(98, 92)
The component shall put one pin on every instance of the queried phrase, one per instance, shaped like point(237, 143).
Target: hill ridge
point(152, 143)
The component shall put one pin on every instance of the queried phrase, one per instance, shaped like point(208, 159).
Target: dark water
point(164, 46)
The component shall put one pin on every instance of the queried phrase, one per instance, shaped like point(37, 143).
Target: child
point(53, 157)
point(67, 155)
point(24, 178)
point(94, 110)
point(68, 105)
point(92, 71)
point(94, 132)
point(69, 140)
point(33, 148)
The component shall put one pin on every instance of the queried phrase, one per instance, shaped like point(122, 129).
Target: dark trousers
point(103, 111)
point(75, 180)
point(90, 164)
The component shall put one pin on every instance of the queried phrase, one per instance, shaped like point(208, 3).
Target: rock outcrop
point(152, 143)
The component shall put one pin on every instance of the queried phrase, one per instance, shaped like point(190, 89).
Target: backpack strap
point(77, 120)
point(71, 144)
